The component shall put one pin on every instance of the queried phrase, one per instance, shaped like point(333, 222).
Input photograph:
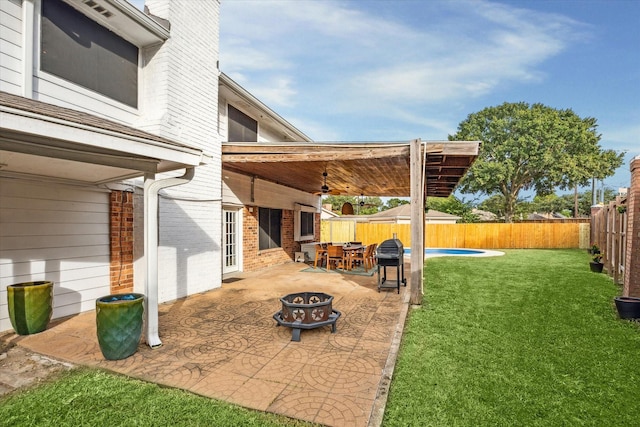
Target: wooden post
point(417, 222)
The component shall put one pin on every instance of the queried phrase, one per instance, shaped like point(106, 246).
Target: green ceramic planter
point(119, 324)
point(30, 306)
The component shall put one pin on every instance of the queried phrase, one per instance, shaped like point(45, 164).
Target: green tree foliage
point(361, 205)
point(532, 147)
point(394, 203)
point(454, 206)
point(496, 205)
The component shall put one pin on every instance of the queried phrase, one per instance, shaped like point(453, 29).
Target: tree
point(454, 206)
point(532, 147)
point(361, 205)
point(394, 203)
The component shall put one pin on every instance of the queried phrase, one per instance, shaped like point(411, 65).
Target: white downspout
point(151, 189)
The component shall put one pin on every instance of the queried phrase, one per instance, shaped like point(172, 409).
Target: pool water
point(434, 252)
point(453, 251)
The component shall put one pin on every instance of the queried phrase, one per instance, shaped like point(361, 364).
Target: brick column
point(121, 241)
point(632, 262)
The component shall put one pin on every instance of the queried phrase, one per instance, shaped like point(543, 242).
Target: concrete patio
point(224, 344)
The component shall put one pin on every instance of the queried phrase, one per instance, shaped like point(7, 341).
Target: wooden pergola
point(414, 169)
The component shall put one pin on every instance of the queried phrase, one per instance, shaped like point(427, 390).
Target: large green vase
point(30, 306)
point(119, 324)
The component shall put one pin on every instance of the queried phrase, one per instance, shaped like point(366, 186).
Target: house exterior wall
point(121, 241)
point(237, 192)
point(179, 94)
point(255, 259)
point(178, 83)
point(11, 46)
point(58, 233)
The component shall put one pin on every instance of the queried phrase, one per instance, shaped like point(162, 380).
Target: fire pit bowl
point(306, 310)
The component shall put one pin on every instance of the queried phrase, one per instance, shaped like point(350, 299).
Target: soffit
point(44, 141)
point(124, 19)
point(370, 168)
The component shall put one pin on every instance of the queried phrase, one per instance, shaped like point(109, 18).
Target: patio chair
point(366, 258)
point(321, 255)
point(335, 255)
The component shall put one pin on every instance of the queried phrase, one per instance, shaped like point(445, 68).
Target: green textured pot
point(30, 306)
point(119, 324)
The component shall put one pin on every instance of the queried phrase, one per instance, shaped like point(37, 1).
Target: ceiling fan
point(325, 190)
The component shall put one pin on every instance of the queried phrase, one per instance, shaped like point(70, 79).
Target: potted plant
point(30, 306)
point(628, 307)
point(596, 264)
point(594, 249)
point(119, 324)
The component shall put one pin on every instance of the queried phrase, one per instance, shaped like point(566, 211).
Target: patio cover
point(353, 168)
point(412, 169)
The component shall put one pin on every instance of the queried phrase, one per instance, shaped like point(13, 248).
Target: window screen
point(269, 234)
point(78, 49)
point(306, 223)
point(242, 128)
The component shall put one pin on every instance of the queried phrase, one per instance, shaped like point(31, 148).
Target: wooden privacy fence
point(609, 232)
point(530, 235)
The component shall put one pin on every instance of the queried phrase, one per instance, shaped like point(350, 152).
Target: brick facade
point(255, 259)
point(121, 241)
point(632, 262)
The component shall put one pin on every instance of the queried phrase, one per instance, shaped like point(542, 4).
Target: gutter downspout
point(151, 189)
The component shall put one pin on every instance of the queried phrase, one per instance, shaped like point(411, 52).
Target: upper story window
point(242, 128)
point(78, 49)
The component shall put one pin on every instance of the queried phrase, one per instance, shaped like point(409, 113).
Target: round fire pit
point(306, 310)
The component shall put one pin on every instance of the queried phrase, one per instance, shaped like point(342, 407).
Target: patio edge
point(380, 402)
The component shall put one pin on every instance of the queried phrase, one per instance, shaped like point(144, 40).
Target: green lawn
point(530, 338)
point(90, 397)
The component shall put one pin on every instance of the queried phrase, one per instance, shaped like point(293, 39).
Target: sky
point(394, 70)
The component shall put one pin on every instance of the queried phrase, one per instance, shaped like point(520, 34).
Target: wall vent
point(95, 6)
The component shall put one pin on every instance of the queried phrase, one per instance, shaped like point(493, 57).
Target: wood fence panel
point(538, 235)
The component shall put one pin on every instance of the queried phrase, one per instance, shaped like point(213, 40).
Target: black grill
point(390, 253)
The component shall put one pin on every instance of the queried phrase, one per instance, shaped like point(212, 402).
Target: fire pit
point(306, 310)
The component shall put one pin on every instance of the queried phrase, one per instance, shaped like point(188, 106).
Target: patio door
point(231, 241)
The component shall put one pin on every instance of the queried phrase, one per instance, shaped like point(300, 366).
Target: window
point(269, 224)
point(78, 49)
point(304, 223)
point(242, 128)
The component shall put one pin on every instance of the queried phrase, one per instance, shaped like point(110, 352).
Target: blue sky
point(360, 70)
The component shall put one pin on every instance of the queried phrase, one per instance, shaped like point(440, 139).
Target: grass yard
point(90, 397)
point(528, 339)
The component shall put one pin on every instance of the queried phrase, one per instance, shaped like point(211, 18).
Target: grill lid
point(391, 248)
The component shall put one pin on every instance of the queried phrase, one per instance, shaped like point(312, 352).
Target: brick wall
point(121, 241)
point(254, 259)
point(632, 262)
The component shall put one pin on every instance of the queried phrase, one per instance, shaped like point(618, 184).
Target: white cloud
point(340, 53)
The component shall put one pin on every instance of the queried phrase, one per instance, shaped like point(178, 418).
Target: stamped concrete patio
point(225, 344)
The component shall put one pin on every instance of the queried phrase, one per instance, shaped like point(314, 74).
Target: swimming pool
point(436, 252)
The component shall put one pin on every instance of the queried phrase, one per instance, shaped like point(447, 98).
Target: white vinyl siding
point(11, 46)
point(56, 233)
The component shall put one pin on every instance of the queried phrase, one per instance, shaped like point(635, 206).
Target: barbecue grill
point(390, 253)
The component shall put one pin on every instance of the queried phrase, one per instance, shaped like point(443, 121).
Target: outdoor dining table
point(349, 251)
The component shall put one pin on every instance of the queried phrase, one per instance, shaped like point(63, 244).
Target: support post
point(417, 222)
